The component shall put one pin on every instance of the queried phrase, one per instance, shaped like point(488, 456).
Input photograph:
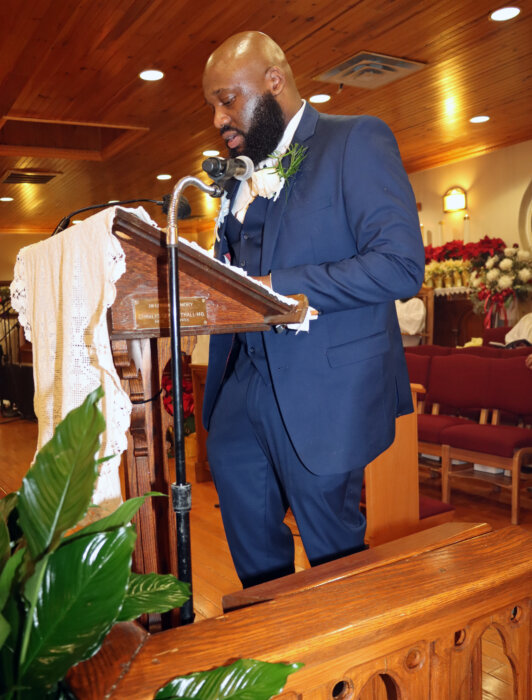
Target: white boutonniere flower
point(222, 213)
point(267, 183)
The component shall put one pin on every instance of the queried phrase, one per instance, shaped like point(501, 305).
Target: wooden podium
point(213, 299)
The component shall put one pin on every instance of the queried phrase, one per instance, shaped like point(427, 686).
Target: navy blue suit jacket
point(345, 232)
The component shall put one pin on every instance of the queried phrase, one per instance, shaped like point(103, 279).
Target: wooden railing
point(407, 625)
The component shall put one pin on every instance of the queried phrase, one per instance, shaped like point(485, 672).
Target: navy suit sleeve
point(388, 261)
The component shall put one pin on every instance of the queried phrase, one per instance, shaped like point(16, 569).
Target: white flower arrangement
point(505, 277)
point(493, 274)
point(507, 263)
point(474, 280)
point(524, 275)
point(505, 282)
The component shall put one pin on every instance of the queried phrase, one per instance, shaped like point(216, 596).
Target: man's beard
point(265, 131)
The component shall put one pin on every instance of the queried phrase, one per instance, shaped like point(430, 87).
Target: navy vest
point(245, 247)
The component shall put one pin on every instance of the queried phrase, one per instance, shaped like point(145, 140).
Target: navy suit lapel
point(275, 211)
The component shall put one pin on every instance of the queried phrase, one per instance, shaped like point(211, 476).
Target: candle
point(466, 228)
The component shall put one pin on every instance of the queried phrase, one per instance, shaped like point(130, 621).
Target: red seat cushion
point(501, 440)
point(430, 428)
point(430, 506)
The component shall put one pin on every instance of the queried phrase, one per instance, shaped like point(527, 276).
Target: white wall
point(10, 244)
point(499, 197)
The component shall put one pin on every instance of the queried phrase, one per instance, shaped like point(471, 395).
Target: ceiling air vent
point(370, 70)
point(25, 176)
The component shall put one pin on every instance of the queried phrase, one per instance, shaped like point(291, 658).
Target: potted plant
point(62, 588)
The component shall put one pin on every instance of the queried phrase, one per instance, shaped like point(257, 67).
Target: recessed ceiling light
point(164, 176)
point(481, 118)
point(505, 13)
point(77, 221)
point(211, 153)
point(151, 75)
point(319, 98)
point(112, 201)
point(6, 199)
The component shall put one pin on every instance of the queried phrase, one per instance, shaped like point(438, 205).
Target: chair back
point(511, 386)
point(479, 350)
point(460, 381)
point(418, 368)
point(428, 350)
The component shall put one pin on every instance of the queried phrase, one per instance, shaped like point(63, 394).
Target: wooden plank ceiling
point(71, 102)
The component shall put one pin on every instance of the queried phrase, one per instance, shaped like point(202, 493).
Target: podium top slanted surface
point(214, 297)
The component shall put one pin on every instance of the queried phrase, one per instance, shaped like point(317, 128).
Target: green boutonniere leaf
point(293, 158)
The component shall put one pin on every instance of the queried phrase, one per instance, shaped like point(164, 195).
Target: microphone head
point(214, 167)
point(248, 165)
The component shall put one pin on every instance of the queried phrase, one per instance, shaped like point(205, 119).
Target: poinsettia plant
point(477, 252)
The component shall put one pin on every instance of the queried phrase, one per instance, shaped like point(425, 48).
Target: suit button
point(246, 236)
point(251, 349)
point(242, 263)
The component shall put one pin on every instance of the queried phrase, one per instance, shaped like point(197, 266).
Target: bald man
point(294, 418)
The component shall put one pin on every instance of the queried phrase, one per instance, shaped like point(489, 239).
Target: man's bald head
point(252, 50)
point(252, 64)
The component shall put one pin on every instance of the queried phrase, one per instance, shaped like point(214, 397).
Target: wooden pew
point(413, 624)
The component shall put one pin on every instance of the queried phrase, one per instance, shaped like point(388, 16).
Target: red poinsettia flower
point(187, 396)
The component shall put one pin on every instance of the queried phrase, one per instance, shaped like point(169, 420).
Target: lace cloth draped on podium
point(61, 290)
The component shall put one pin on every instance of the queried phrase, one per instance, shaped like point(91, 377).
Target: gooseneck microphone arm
point(177, 195)
point(181, 490)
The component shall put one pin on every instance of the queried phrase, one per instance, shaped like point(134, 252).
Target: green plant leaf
point(12, 614)
point(7, 503)
point(5, 543)
point(7, 575)
point(246, 679)
point(153, 593)
point(5, 629)
point(80, 597)
point(118, 518)
point(57, 490)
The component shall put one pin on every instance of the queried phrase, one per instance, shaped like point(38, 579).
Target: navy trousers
point(258, 475)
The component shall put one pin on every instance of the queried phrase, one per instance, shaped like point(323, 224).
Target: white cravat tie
point(263, 183)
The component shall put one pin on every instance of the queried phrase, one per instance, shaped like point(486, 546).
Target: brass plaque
point(193, 311)
point(149, 313)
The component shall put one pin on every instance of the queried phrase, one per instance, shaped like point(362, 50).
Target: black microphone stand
point(183, 211)
point(181, 491)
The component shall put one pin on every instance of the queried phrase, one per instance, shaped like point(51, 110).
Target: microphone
point(222, 169)
point(183, 209)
